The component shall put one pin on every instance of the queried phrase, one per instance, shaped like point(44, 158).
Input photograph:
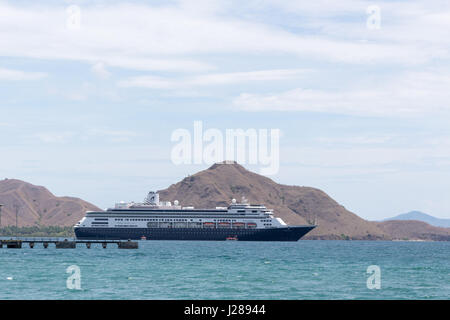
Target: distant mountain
point(414, 230)
point(36, 206)
point(220, 183)
point(420, 216)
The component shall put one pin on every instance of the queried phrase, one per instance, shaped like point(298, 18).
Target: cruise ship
point(155, 220)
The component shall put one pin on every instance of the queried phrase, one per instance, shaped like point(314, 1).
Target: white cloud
point(100, 71)
point(152, 82)
point(112, 135)
point(413, 93)
point(123, 36)
point(84, 92)
point(355, 140)
point(138, 36)
point(18, 75)
point(76, 96)
point(54, 137)
point(239, 77)
point(368, 156)
point(108, 135)
point(213, 79)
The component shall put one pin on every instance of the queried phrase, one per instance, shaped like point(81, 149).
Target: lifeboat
point(231, 238)
point(209, 224)
point(251, 225)
point(224, 224)
point(143, 238)
point(239, 225)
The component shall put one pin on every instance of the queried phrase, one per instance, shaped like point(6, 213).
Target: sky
point(91, 92)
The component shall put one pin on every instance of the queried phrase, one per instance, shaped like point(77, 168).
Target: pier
point(18, 243)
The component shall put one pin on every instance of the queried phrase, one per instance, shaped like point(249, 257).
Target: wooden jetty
point(17, 243)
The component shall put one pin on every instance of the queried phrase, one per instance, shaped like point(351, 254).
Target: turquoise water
point(230, 270)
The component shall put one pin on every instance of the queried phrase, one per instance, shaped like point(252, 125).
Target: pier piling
point(127, 245)
point(14, 244)
point(65, 244)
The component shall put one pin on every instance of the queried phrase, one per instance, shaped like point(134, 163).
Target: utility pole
point(1, 215)
point(16, 206)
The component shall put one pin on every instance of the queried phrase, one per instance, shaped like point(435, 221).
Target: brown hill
point(414, 230)
point(37, 206)
point(220, 183)
point(216, 186)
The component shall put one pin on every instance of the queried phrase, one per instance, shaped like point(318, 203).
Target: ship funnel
point(152, 198)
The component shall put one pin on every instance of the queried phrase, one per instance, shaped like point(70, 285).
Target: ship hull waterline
point(290, 233)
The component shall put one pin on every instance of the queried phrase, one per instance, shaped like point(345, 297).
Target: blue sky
point(88, 111)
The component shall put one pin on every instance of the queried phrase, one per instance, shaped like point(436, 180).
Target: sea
point(307, 269)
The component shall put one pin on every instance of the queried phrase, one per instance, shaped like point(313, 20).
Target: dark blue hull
point(290, 233)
